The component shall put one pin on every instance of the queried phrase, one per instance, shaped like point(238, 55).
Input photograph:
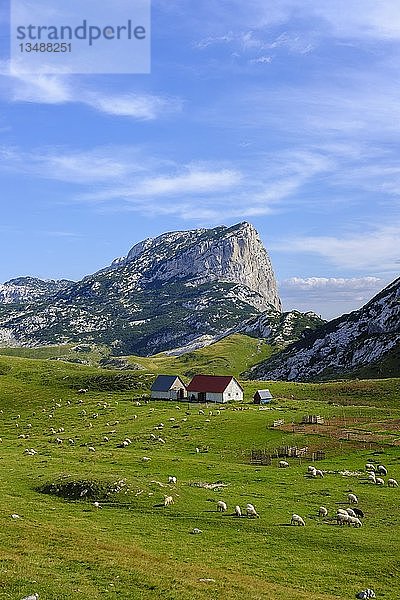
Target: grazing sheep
point(32, 597)
point(322, 511)
point(370, 467)
point(342, 511)
point(196, 530)
point(251, 511)
point(355, 521)
point(310, 469)
point(238, 511)
point(358, 512)
point(352, 498)
point(351, 512)
point(318, 473)
point(146, 459)
point(366, 594)
point(372, 478)
point(392, 483)
point(197, 450)
point(91, 449)
point(71, 441)
point(168, 500)
point(297, 520)
point(381, 470)
point(201, 412)
point(342, 518)
point(221, 506)
point(283, 464)
point(172, 479)
point(96, 504)
point(105, 439)
point(380, 481)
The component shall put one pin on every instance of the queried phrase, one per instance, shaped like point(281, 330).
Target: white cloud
point(329, 296)
point(63, 89)
point(332, 283)
point(376, 249)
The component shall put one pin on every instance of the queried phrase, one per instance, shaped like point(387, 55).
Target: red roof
point(210, 383)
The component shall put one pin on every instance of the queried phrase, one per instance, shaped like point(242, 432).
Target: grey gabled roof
point(163, 383)
point(264, 394)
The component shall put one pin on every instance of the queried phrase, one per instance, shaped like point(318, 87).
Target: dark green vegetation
point(132, 547)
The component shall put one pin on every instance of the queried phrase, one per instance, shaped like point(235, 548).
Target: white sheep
point(32, 597)
point(172, 479)
point(238, 511)
point(380, 481)
point(168, 500)
point(343, 518)
point(96, 504)
point(322, 511)
point(221, 506)
point(251, 511)
point(146, 459)
point(283, 464)
point(381, 470)
point(372, 478)
point(196, 530)
point(91, 449)
point(318, 473)
point(369, 467)
point(310, 469)
point(351, 512)
point(354, 521)
point(392, 483)
point(352, 498)
point(297, 520)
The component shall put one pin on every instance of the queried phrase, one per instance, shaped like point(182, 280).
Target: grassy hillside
point(62, 546)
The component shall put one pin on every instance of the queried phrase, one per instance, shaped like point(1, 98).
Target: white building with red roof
point(214, 388)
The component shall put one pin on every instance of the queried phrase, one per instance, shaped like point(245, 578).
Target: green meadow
point(131, 546)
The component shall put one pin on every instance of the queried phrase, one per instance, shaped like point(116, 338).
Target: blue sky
point(285, 114)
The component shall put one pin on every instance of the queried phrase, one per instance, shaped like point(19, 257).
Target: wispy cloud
point(331, 296)
point(64, 89)
point(374, 249)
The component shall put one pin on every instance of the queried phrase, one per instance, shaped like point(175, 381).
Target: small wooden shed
point(262, 397)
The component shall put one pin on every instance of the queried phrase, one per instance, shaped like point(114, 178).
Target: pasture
point(133, 547)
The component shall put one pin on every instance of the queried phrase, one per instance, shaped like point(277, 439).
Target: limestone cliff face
point(25, 290)
point(232, 255)
point(164, 293)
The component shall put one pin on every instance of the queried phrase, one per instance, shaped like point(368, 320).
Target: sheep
point(31, 597)
point(58, 440)
point(283, 464)
point(96, 504)
point(168, 500)
point(380, 481)
point(392, 483)
point(172, 479)
point(351, 512)
point(71, 441)
point(322, 511)
point(251, 511)
point(105, 439)
point(372, 478)
point(310, 469)
point(342, 511)
point(342, 518)
point(382, 470)
point(91, 449)
point(221, 506)
point(370, 467)
point(318, 473)
point(201, 412)
point(297, 520)
point(146, 459)
point(238, 511)
point(197, 450)
point(366, 594)
point(354, 521)
point(196, 530)
point(358, 512)
point(352, 498)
